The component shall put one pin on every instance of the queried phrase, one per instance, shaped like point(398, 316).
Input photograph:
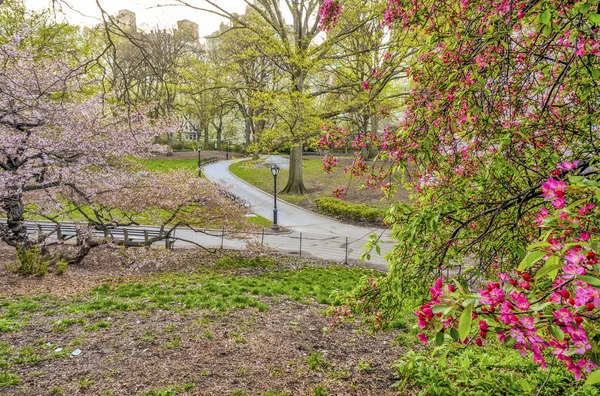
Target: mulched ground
point(198, 352)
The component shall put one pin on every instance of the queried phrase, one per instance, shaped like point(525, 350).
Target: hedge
point(350, 211)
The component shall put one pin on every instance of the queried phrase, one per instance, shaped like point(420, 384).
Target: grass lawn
point(202, 326)
point(192, 323)
point(165, 164)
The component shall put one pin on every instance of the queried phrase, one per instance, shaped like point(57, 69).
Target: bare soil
point(193, 352)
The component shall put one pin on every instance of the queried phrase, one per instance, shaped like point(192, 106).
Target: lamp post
point(275, 172)
point(227, 153)
point(199, 162)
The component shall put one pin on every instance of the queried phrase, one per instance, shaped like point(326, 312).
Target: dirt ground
point(192, 352)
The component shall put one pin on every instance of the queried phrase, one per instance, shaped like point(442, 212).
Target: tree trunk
point(373, 150)
point(295, 183)
point(16, 235)
point(219, 133)
point(205, 129)
point(248, 130)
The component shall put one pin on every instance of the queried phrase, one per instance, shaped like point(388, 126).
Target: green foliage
point(242, 262)
point(168, 164)
point(31, 262)
point(7, 325)
point(315, 361)
point(350, 211)
point(474, 371)
point(9, 379)
point(171, 291)
point(320, 390)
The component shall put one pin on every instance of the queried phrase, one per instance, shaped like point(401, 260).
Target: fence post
point(146, 236)
point(300, 244)
point(262, 241)
point(125, 236)
point(222, 236)
point(39, 229)
point(346, 262)
point(59, 233)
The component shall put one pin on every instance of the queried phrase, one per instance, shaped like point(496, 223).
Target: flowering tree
point(65, 151)
point(503, 92)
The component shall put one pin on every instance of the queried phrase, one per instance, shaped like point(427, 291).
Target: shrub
point(483, 372)
point(31, 262)
point(348, 210)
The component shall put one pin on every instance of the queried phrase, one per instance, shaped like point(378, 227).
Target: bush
point(497, 371)
point(349, 211)
point(31, 262)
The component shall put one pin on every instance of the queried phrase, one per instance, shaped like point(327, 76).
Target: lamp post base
point(275, 227)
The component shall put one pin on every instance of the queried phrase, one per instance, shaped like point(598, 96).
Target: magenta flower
point(554, 190)
point(422, 337)
point(520, 301)
point(568, 165)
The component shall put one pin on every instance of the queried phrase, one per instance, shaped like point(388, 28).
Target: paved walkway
point(323, 236)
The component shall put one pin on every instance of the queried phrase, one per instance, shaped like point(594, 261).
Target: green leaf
point(538, 245)
point(552, 264)
point(545, 17)
point(440, 308)
point(509, 342)
point(593, 378)
point(595, 19)
point(454, 334)
point(464, 324)
point(439, 338)
point(556, 332)
point(584, 8)
point(525, 385)
point(531, 259)
point(592, 280)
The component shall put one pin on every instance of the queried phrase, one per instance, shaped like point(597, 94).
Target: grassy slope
point(214, 291)
point(159, 165)
point(200, 303)
point(318, 183)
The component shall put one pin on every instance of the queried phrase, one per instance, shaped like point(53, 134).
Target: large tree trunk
point(219, 133)
point(248, 130)
point(205, 129)
point(16, 229)
point(295, 183)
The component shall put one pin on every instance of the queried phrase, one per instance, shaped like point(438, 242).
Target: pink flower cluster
point(329, 12)
point(548, 307)
point(329, 162)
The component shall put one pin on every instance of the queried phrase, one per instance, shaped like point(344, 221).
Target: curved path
point(318, 231)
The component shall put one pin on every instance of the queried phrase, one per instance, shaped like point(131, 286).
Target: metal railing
point(334, 248)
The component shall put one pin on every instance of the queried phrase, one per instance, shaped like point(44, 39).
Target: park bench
point(130, 236)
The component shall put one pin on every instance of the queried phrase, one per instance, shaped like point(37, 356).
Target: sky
point(151, 13)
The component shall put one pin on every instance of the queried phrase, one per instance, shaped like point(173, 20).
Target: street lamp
point(275, 172)
point(199, 162)
point(227, 153)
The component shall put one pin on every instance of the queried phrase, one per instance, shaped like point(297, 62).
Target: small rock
point(58, 349)
point(76, 352)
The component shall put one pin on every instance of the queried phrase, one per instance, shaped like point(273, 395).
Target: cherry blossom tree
point(68, 153)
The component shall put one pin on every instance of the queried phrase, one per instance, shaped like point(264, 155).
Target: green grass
point(319, 184)
point(179, 292)
point(168, 164)
point(260, 221)
point(492, 370)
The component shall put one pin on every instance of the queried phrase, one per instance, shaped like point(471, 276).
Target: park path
point(324, 237)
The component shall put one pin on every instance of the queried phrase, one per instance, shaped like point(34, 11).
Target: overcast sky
point(147, 12)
